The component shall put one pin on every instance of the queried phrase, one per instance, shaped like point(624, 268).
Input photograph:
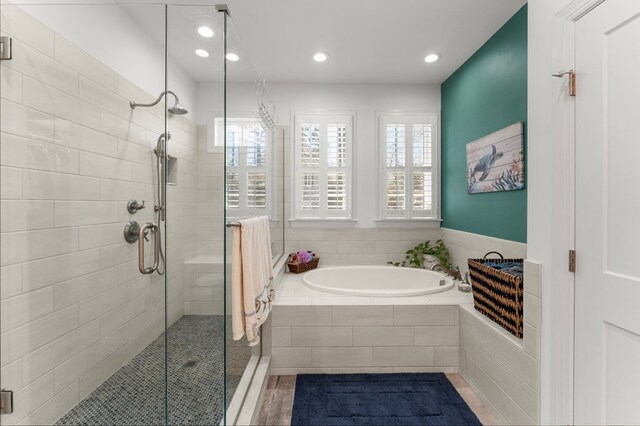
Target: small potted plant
point(425, 255)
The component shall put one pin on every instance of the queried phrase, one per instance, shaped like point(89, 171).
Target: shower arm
point(133, 104)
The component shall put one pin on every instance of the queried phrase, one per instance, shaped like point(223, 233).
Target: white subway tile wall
point(204, 279)
point(465, 245)
point(501, 369)
point(357, 339)
point(357, 246)
point(204, 286)
point(210, 174)
point(504, 370)
point(74, 306)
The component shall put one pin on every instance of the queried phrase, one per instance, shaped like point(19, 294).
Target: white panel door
point(607, 311)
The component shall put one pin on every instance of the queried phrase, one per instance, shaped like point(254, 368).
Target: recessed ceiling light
point(202, 53)
point(431, 58)
point(232, 57)
point(205, 31)
point(320, 57)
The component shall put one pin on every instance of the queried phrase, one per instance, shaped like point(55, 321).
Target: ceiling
point(368, 41)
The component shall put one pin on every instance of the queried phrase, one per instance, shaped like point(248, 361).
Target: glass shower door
point(195, 290)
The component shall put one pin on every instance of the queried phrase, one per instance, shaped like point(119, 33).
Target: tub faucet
point(455, 273)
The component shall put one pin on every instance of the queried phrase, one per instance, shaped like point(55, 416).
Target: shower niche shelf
point(172, 171)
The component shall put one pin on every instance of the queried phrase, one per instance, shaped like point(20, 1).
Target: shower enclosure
point(120, 167)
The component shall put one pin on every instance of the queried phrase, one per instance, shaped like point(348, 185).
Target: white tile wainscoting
point(464, 245)
point(376, 246)
point(504, 370)
point(364, 338)
point(373, 246)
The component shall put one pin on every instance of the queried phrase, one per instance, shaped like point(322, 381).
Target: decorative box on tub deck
point(498, 294)
point(298, 267)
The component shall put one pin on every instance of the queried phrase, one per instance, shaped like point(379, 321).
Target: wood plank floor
point(473, 401)
point(278, 400)
point(277, 404)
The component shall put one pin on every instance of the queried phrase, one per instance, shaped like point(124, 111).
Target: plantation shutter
point(323, 171)
point(247, 168)
point(408, 145)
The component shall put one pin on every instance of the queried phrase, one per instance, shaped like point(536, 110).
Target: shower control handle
point(132, 232)
point(133, 206)
point(144, 229)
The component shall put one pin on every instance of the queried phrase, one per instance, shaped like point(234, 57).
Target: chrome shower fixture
point(176, 109)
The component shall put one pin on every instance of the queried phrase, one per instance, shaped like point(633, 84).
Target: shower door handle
point(149, 226)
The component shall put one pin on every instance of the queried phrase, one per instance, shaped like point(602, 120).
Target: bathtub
point(377, 281)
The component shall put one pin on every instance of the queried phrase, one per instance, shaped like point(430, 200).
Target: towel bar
point(237, 223)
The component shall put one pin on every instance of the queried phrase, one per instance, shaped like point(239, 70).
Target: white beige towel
point(251, 278)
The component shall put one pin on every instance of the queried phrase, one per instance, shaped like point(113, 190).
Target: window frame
point(323, 217)
point(408, 215)
point(268, 168)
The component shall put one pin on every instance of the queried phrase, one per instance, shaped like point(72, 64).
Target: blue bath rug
point(379, 399)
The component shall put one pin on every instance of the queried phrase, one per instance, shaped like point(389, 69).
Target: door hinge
point(572, 80)
point(6, 48)
point(6, 401)
point(572, 260)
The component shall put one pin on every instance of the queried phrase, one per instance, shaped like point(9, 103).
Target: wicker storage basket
point(297, 267)
point(497, 294)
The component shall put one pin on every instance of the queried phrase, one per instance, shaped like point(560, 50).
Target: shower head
point(176, 109)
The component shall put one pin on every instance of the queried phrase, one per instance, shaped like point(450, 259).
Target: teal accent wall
point(486, 94)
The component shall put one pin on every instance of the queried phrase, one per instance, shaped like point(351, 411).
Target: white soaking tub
point(377, 281)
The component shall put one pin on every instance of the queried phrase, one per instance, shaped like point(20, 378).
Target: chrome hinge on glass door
point(572, 260)
point(6, 401)
point(6, 48)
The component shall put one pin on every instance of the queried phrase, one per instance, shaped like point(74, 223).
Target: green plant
point(413, 259)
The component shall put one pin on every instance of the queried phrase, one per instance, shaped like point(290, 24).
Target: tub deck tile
point(293, 291)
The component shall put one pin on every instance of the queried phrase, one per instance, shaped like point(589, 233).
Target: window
point(248, 166)
point(409, 144)
point(322, 161)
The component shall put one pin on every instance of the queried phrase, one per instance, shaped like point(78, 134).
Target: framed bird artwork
point(496, 162)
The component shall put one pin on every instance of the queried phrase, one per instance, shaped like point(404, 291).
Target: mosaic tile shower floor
point(134, 395)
